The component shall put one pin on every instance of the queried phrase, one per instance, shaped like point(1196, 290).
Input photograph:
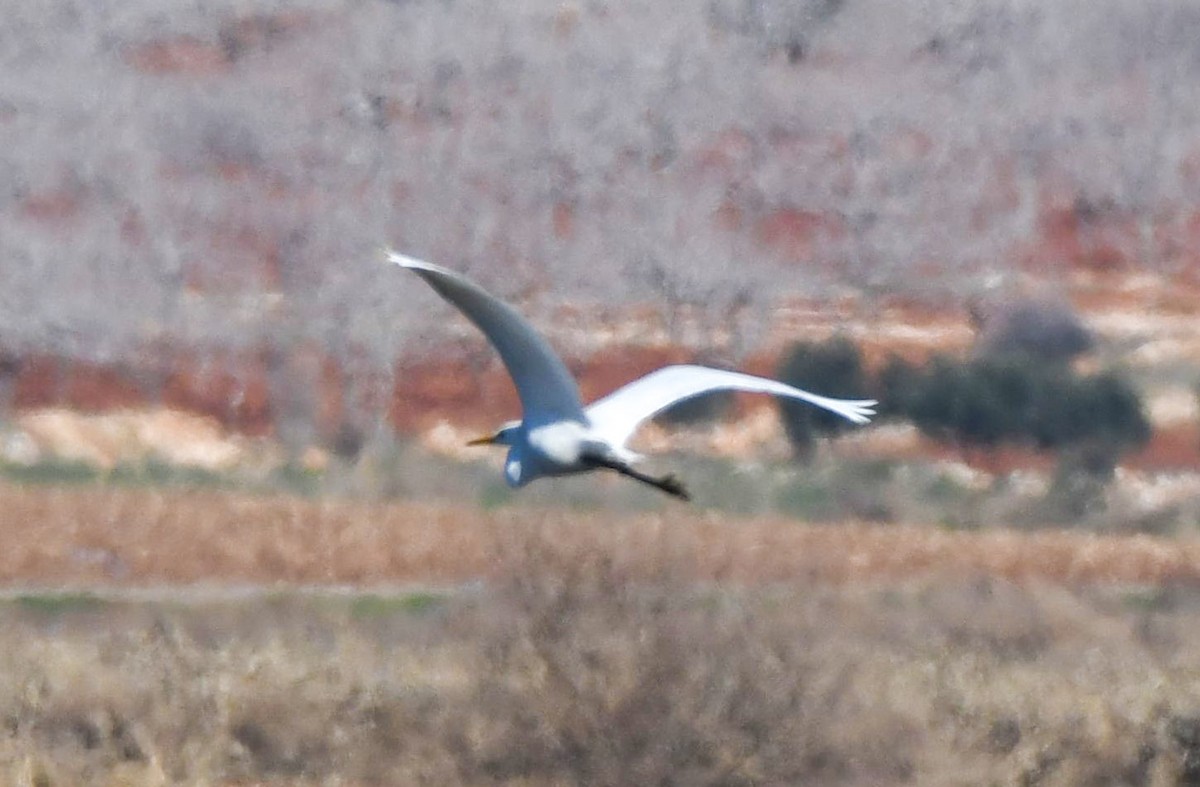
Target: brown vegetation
point(571, 667)
point(151, 537)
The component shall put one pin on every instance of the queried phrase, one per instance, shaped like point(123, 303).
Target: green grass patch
point(876, 472)
point(1147, 599)
point(297, 480)
point(944, 489)
point(805, 500)
point(494, 495)
point(155, 472)
point(56, 604)
point(50, 471)
point(377, 606)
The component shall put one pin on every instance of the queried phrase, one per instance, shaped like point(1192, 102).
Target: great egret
point(558, 435)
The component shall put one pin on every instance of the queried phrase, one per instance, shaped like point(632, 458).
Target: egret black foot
point(674, 487)
point(668, 483)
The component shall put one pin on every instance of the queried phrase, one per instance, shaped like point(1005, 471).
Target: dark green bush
point(979, 402)
point(896, 387)
point(832, 368)
point(1040, 327)
point(1102, 409)
point(1015, 399)
point(1010, 398)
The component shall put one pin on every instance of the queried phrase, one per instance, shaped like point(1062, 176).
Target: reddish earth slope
point(459, 381)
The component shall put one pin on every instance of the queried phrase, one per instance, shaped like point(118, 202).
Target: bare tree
point(223, 174)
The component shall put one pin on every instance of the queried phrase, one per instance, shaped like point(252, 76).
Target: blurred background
point(195, 196)
point(983, 213)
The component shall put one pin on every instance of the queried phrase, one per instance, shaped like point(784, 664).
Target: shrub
point(1102, 409)
point(896, 386)
point(1040, 327)
point(833, 368)
point(1079, 481)
point(1017, 399)
point(594, 673)
point(994, 399)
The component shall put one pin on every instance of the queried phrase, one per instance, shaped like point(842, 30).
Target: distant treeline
point(1009, 397)
point(984, 400)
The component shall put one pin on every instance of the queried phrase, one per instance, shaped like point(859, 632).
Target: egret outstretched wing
point(615, 417)
point(548, 391)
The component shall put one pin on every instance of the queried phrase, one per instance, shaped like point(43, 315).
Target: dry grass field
point(110, 536)
point(582, 676)
point(445, 645)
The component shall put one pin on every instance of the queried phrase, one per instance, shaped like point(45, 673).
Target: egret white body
point(557, 434)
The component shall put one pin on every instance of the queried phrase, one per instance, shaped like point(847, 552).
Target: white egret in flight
point(557, 434)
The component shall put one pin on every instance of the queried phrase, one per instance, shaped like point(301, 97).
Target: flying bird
point(557, 434)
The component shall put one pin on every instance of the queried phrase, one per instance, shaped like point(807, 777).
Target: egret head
point(505, 435)
point(516, 472)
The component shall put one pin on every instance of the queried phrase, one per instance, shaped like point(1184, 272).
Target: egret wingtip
point(391, 255)
point(412, 263)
